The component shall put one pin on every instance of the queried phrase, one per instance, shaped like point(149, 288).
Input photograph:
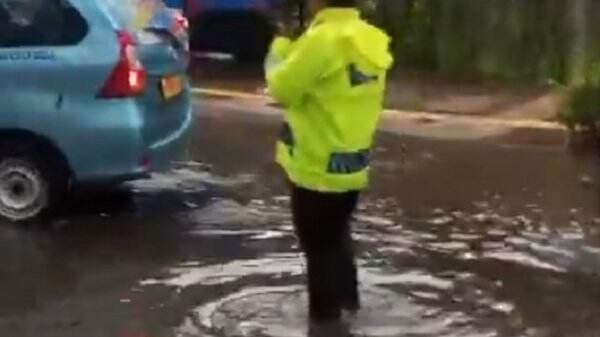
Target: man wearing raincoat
point(331, 81)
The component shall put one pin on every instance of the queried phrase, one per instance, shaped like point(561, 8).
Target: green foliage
point(411, 25)
point(581, 108)
point(514, 40)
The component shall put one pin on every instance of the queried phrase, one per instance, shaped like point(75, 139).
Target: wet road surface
point(465, 232)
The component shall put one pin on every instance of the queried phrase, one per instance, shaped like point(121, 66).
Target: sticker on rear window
point(27, 55)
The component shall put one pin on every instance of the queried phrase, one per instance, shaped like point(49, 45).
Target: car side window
point(35, 23)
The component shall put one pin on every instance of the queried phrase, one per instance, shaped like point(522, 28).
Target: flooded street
point(485, 231)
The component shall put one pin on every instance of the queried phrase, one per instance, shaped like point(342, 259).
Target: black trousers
point(322, 222)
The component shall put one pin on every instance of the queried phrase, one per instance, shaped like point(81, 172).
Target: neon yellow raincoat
point(331, 82)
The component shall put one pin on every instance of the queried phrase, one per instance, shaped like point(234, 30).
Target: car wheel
point(32, 185)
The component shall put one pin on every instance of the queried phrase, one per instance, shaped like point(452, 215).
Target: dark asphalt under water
point(485, 237)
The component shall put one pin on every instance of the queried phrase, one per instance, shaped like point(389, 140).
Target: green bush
point(581, 108)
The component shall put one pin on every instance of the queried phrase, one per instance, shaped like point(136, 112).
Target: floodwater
point(493, 235)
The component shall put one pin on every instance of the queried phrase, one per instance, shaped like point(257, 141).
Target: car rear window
point(135, 14)
point(40, 23)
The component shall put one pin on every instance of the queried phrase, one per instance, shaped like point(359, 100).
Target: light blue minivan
point(91, 91)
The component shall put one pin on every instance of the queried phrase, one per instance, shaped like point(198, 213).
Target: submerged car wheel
point(32, 185)
point(23, 190)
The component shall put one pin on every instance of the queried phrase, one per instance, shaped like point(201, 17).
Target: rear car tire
point(33, 183)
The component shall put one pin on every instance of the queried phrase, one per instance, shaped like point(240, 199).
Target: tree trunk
point(580, 41)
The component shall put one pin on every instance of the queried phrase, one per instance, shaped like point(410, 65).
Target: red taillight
point(128, 78)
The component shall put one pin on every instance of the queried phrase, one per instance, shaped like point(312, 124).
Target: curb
point(406, 114)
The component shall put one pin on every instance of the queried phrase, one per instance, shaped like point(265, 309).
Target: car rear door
point(166, 101)
point(36, 40)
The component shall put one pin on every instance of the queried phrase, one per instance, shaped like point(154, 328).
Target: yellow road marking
point(227, 93)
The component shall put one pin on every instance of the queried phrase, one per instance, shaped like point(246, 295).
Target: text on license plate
point(171, 86)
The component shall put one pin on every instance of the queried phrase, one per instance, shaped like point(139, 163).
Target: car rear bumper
point(122, 154)
point(163, 153)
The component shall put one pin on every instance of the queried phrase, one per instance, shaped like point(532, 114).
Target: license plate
point(171, 86)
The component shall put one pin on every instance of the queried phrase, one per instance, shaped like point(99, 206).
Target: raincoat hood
point(371, 43)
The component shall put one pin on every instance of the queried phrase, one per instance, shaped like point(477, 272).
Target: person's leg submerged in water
point(350, 296)
point(322, 224)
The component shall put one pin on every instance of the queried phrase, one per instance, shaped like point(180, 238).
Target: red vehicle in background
point(243, 28)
